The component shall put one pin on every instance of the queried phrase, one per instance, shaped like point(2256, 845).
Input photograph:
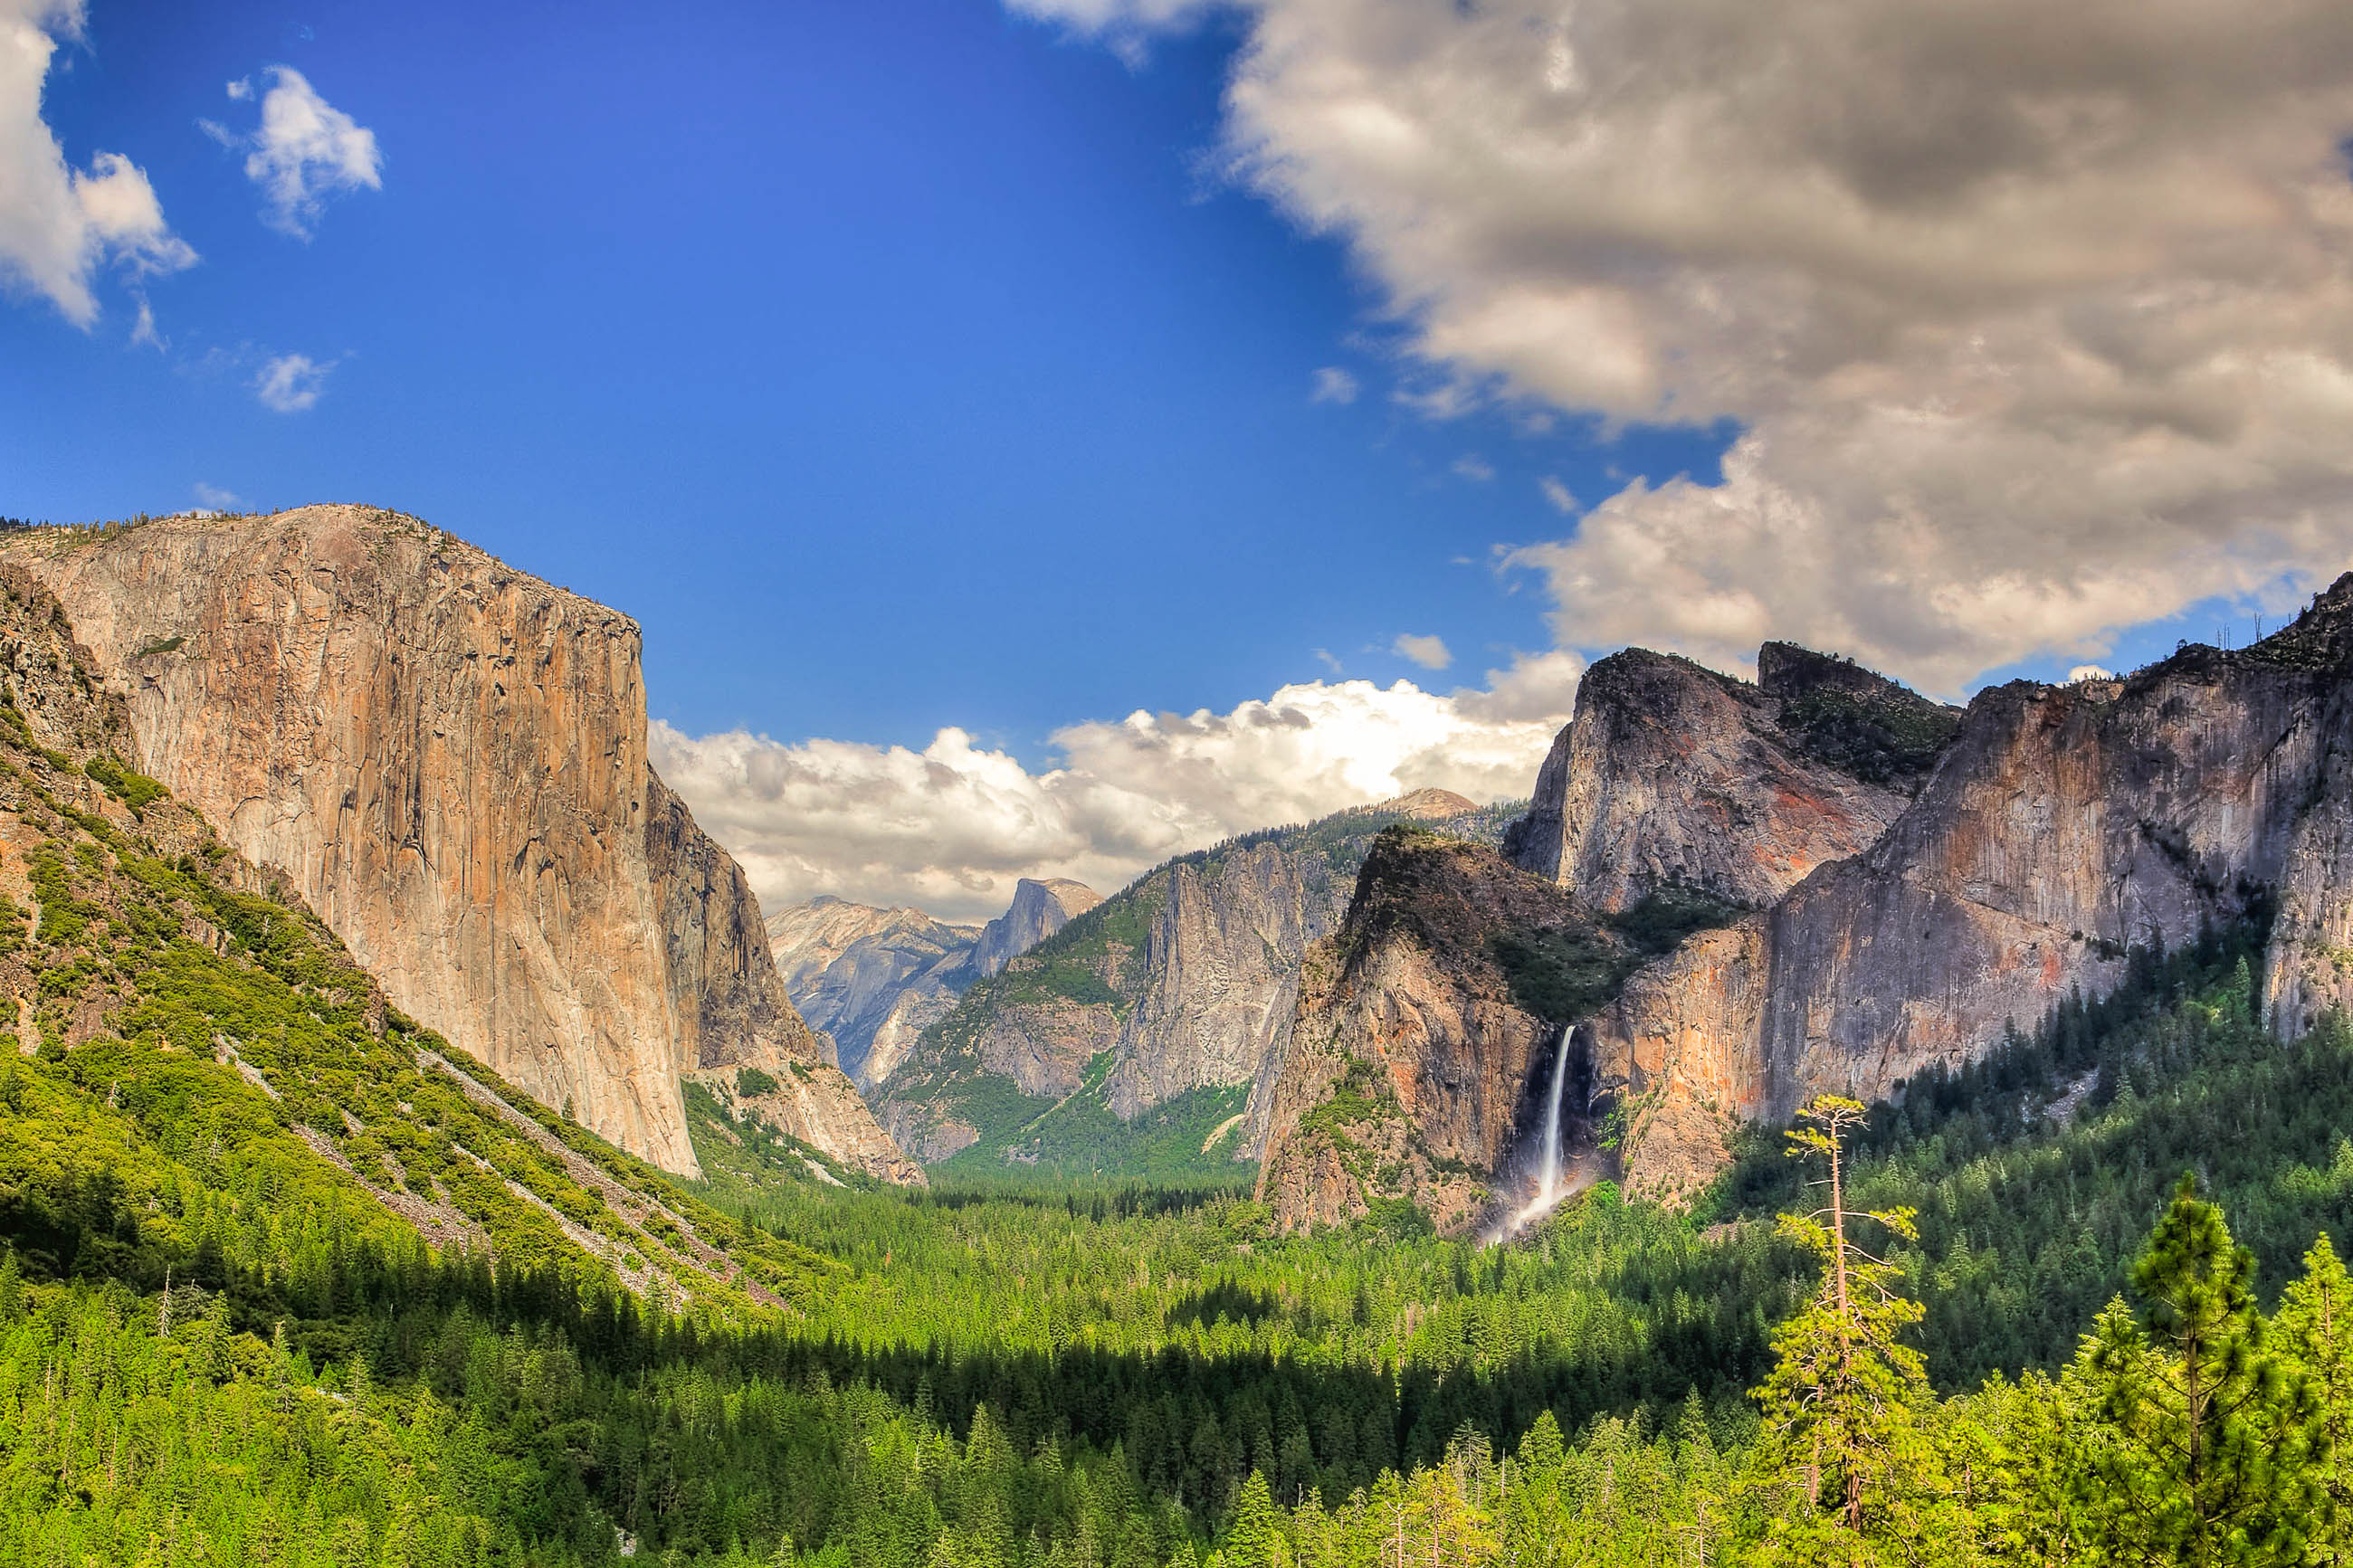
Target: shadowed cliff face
point(1671, 774)
point(447, 759)
point(2062, 826)
point(1421, 1036)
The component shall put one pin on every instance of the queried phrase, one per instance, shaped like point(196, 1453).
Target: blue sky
point(898, 364)
point(940, 382)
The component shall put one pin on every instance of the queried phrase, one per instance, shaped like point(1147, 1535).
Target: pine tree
point(1845, 1461)
point(2315, 1326)
point(2210, 1438)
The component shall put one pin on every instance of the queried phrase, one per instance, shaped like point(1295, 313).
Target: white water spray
point(1548, 1178)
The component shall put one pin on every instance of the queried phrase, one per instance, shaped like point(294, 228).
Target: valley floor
point(211, 1363)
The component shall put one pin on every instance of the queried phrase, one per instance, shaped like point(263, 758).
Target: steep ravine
point(447, 759)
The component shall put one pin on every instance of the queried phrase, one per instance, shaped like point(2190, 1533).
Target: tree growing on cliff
point(1846, 1471)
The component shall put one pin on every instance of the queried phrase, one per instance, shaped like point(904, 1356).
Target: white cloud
point(1558, 494)
point(1474, 468)
point(1334, 385)
point(1429, 652)
point(2089, 672)
point(951, 827)
point(59, 225)
point(2036, 320)
point(290, 383)
point(304, 150)
point(214, 497)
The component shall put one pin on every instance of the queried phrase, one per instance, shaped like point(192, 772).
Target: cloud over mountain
point(2036, 320)
point(951, 827)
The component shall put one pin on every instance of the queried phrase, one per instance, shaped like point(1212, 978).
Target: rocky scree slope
point(1161, 1014)
point(1669, 774)
point(191, 1063)
point(2062, 827)
point(445, 758)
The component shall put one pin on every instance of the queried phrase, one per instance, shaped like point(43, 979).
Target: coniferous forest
point(284, 1280)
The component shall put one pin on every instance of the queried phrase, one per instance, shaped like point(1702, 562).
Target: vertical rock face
point(1040, 909)
point(1415, 1051)
point(1221, 973)
point(873, 979)
point(1671, 774)
point(1186, 980)
point(447, 758)
point(2063, 826)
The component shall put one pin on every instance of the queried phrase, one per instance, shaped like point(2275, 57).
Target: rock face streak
point(447, 758)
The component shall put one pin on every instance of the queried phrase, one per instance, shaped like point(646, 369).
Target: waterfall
point(1548, 1178)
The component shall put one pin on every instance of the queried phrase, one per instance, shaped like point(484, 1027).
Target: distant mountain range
point(876, 979)
point(1119, 1037)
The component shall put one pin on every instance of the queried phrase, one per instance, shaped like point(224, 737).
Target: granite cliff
point(2065, 825)
point(1039, 908)
point(1916, 879)
point(1427, 1030)
point(446, 759)
point(873, 979)
point(1146, 1034)
point(1672, 775)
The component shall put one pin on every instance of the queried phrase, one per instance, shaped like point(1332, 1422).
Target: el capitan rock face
point(1672, 775)
point(447, 759)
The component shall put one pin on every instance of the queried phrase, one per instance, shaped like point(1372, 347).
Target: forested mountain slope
point(199, 1071)
point(445, 758)
point(1144, 1037)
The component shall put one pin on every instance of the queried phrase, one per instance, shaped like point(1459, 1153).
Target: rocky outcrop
point(1672, 775)
point(445, 758)
point(1420, 1048)
point(2063, 826)
point(1040, 909)
point(873, 979)
point(1222, 972)
point(1186, 980)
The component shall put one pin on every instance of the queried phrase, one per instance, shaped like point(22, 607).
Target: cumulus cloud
point(213, 497)
point(1429, 652)
point(949, 829)
point(1333, 384)
point(304, 150)
point(2036, 321)
point(57, 224)
point(1558, 494)
point(290, 383)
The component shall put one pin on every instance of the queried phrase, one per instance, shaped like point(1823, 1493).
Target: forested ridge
point(282, 1281)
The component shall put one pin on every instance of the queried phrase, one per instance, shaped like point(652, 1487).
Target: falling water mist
point(1549, 1180)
